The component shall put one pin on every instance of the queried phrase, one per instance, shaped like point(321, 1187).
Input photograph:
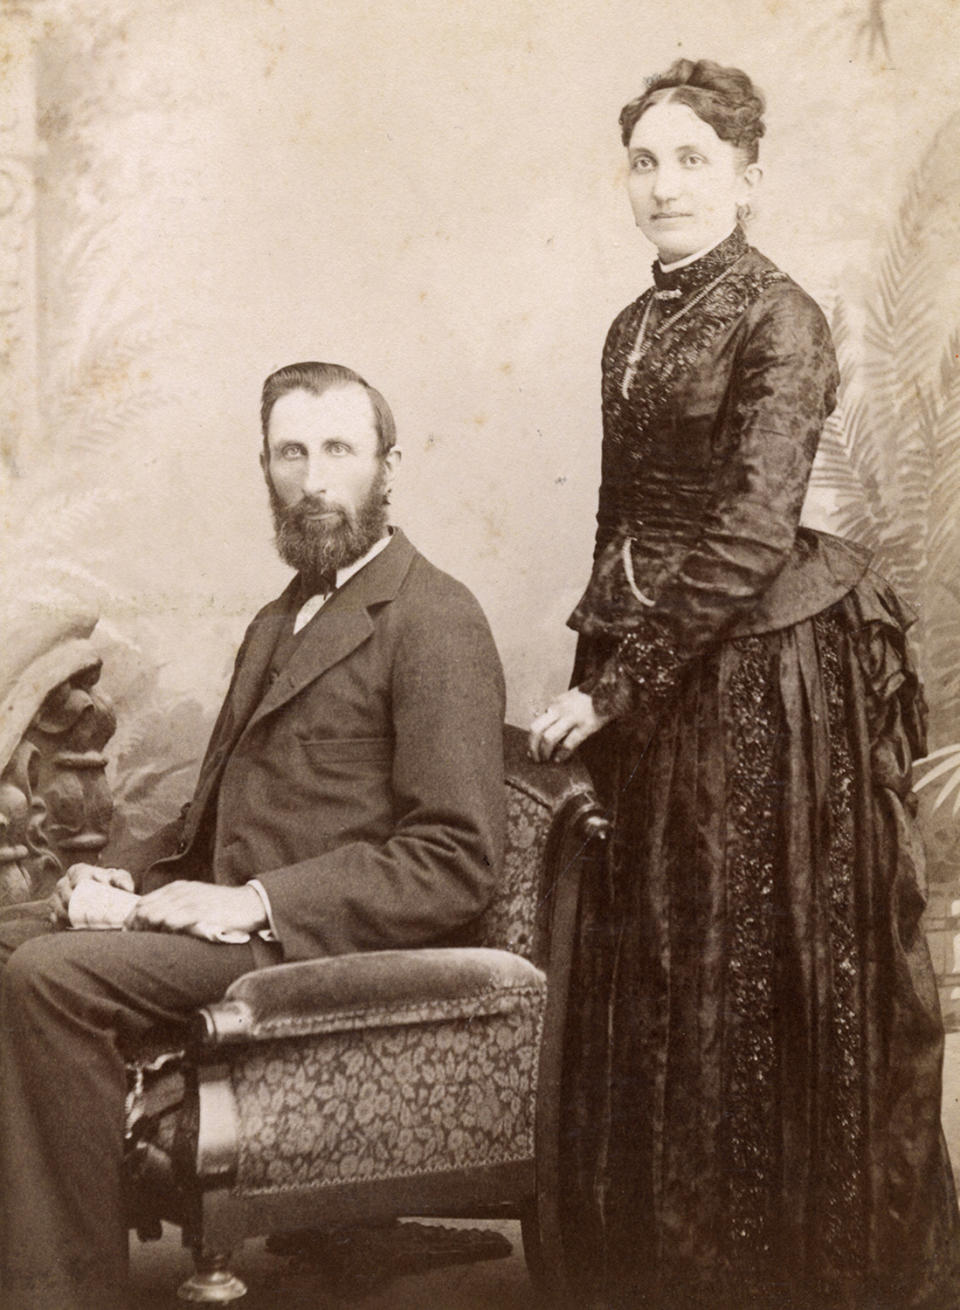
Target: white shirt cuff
point(267, 934)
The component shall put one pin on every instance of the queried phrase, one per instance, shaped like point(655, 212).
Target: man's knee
point(15, 932)
point(24, 967)
point(41, 976)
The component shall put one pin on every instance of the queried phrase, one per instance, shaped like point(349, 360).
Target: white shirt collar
point(699, 254)
point(316, 602)
point(344, 574)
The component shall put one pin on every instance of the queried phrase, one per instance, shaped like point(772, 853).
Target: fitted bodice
point(666, 408)
point(716, 384)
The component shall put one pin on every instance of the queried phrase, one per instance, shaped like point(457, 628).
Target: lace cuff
point(638, 680)
point(611, 690)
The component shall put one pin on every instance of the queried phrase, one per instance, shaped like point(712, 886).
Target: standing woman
point(752, 1090)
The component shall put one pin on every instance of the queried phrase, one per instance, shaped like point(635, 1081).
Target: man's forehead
point(339, 411)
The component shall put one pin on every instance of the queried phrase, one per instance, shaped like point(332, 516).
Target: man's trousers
point(70, 1004)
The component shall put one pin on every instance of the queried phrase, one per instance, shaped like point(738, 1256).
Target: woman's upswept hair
point(723, 97)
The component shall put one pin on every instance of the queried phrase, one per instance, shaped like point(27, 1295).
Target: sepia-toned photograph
point(479, 655)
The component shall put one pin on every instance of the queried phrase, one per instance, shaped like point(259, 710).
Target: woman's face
point(685, 183)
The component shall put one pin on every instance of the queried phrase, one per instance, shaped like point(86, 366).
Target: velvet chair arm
point(370, 990)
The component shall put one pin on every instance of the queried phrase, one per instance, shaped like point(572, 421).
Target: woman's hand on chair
point(564, 725)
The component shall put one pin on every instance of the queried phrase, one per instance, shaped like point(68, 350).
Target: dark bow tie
point(318, 584)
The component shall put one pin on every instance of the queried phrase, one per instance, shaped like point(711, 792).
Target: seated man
point(351, 799)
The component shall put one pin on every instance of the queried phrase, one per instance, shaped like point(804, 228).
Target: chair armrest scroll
point(374, 989)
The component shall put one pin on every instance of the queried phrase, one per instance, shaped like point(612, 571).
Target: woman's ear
point(752, 177)
point(750, 181)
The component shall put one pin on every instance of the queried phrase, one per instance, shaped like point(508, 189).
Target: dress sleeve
point(782, 390)
point(607, 507)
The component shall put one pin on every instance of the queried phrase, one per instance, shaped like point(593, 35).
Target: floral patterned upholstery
point(512, 921)
point(386, 1102)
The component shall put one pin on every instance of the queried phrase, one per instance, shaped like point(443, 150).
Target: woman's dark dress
point(752, 1091)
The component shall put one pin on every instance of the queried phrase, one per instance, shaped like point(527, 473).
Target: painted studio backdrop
point(193, 192)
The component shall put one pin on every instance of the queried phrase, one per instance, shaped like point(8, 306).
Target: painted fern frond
point(941, 414)
point(902, 332)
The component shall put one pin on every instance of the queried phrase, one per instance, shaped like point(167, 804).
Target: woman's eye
point(693, 161)
point(642, 164)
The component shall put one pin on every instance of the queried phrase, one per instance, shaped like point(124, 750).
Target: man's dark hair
point(317, 378)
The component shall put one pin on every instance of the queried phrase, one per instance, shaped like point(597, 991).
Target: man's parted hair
point(317, 378)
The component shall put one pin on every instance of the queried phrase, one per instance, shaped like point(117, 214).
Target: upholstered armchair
point(361, 1087)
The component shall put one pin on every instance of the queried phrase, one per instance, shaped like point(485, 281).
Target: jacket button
point(181, 845)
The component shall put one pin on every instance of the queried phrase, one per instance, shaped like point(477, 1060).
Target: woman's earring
point(744, 212)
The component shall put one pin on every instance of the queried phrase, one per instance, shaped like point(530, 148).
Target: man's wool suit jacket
point(364, 786)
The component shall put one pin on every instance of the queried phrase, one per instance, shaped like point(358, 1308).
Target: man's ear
point(391, 463)
point(264, 466)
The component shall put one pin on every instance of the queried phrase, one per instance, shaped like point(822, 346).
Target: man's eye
point(338, 448)
point(642, 164)
point(291, 452)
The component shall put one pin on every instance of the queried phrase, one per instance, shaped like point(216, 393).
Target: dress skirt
point(754, 1053)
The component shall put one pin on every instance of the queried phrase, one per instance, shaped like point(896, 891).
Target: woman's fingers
point(547, 732)
point(535, 741)
point(569, 743)
point(563, 726)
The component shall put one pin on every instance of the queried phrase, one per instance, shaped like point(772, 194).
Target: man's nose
point(315, 478)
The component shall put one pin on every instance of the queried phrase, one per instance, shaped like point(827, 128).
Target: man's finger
point(116, 878)
point(58, 906)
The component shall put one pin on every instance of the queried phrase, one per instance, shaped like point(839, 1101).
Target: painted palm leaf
point(949, 767)
point(891, 455)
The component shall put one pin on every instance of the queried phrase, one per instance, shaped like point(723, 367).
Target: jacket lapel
point(340, 626)
point(247, 690)
point(240, 702)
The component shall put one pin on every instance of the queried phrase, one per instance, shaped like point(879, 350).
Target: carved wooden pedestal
point(55, 805)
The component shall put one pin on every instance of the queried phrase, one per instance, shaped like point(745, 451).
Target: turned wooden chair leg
point(532, 1246)
point(212, 1282)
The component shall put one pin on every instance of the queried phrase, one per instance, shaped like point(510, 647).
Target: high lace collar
point(693, 276)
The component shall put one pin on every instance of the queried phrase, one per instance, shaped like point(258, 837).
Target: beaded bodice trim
point(662, 324)
point(725, 286)
point(691, 278)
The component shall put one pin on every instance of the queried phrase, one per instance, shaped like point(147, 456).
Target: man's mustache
point(312, 507)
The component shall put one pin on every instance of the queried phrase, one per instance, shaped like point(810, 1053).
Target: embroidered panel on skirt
point(752, 792)
point(841, 1203)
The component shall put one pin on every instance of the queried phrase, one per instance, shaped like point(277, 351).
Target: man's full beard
point(316, 548)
